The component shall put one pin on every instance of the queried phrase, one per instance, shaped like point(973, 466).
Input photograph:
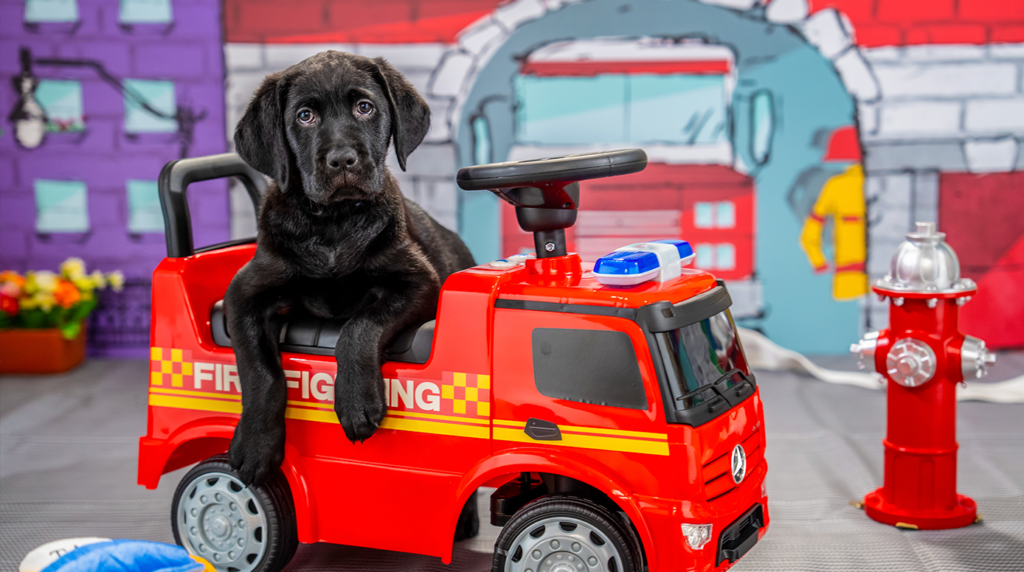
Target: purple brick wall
point(189, 53)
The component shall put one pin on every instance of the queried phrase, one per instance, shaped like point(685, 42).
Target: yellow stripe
point(410, 414)
point(312, 415)
point(563, 428)
point(312, 404)
point(195, 403)
point(417, 414)
point(194, 393)
point(406, 423)
point(403, 424)
point(588, 442)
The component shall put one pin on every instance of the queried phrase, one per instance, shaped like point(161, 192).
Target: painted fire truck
point(609, 404)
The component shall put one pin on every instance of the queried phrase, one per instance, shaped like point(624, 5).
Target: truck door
point(582, 385)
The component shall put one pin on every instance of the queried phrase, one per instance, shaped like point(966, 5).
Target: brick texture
point(874, 35)
point(910, 13)
point(914, 22)
point(995, 11)
point(1008, 34)
point(396, 21)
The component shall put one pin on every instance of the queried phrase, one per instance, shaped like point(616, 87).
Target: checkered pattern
point(466, 394)
point(170, 366)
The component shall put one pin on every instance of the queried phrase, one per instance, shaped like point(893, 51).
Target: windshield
point(701, 354)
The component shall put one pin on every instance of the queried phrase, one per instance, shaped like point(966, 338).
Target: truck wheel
point(570, 534)
point(234, 527)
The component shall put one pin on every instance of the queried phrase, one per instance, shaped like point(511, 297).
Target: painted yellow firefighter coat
point(842, 198)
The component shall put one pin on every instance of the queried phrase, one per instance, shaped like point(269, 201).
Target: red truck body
point(456, 422)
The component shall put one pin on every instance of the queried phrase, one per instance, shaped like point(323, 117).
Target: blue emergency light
point(658, 260)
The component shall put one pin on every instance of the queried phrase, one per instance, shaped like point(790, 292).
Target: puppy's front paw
point(255, 453)
point(360, 406)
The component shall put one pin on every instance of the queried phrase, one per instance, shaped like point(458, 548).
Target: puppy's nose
point(342, 158)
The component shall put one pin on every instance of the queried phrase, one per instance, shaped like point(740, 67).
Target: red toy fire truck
point(611, 406)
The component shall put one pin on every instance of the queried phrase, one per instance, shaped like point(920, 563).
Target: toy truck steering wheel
point(546, 192)
point(541, 183)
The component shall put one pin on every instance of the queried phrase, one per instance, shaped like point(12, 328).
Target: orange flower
point(10, 276)
point(66, 294)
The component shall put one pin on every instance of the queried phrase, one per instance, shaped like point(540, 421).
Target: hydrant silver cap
point(924, 263)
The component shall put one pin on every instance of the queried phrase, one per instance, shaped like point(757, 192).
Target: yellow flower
point(41, 280)
point(43, 300)
point(84, 283)
point(98, 279)
point(116, 280)
point(73, 268)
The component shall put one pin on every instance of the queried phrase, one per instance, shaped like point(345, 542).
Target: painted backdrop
point(793, 142)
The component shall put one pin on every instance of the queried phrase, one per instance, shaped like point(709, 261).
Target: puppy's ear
point(260, 134)
point(410, 115)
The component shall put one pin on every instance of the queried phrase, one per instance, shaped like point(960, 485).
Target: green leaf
point(56, 317)
point(70, 331)
point(34, 318)
point(81, 310)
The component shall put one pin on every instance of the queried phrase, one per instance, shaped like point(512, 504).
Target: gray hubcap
point(562, 544)
point(220, 520)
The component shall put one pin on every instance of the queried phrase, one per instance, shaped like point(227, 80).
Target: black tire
point(468, 525)
point(563, 528)
point(235, 528)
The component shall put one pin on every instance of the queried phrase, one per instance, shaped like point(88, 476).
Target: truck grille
point(718, 480)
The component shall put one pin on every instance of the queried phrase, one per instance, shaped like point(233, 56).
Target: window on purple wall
point(61, 206)
point(144, 214)
point(145, 12)
point(160, 96)
point(40, 11)
point(62, 101)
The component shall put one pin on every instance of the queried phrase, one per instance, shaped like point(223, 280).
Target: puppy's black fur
point(336, 239)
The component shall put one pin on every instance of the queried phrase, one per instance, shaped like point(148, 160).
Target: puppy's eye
point(364, 107)
point(306, 116)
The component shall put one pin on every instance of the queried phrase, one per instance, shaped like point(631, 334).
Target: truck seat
point(310, 335)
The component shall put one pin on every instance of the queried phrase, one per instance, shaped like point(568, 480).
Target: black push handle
point(541, 430)
point(175, 178)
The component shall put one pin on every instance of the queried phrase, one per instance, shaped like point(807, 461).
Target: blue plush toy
point(114, 556)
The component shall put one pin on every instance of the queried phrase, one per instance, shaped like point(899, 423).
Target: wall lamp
point(29, 117)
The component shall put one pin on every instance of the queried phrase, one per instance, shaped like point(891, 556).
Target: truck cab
point(619, 424)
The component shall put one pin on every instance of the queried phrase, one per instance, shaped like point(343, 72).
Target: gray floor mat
point(68, 452)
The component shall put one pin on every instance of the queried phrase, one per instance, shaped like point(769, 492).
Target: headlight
point(697, 535)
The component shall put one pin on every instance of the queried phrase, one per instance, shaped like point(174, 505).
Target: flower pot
point(25, 350)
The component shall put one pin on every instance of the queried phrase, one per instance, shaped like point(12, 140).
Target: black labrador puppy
point(336, 239)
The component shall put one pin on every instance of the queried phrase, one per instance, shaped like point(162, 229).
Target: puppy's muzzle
point(343, 158)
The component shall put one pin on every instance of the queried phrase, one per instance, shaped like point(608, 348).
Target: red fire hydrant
point(923, 356)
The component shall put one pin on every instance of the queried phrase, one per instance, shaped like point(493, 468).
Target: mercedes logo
point(739, 464)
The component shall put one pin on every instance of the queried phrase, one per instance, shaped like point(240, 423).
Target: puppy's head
point(322, 127)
